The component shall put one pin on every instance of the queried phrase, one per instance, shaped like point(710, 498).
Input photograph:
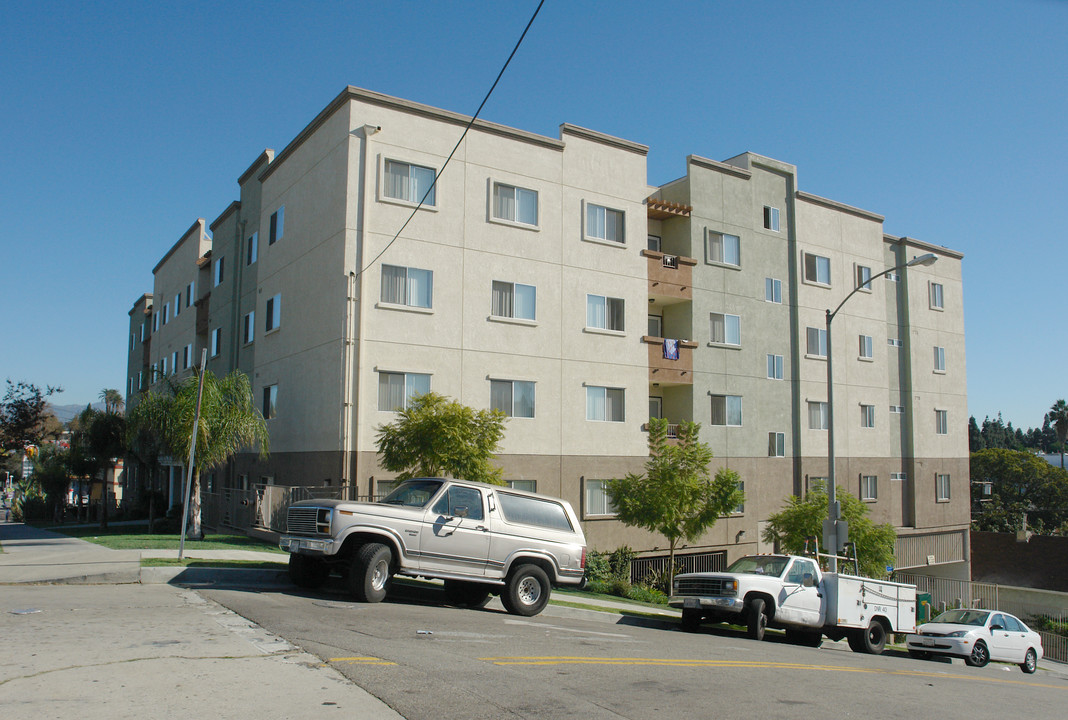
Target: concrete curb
point(229, 577)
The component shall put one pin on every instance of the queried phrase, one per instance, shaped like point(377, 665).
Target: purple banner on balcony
point(671, 349)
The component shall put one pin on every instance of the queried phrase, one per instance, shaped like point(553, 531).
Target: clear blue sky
point(122, 122)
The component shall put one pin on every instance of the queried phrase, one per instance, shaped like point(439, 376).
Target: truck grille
point(701, 586)
point(308, 521)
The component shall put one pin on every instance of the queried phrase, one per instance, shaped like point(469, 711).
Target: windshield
point(963, 617)
point(412, 493)
point(760, 565)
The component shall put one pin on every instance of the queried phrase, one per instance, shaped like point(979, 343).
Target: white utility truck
point(790, 592)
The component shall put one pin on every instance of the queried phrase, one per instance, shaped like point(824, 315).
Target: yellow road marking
point(676, 662)
point(361, 661)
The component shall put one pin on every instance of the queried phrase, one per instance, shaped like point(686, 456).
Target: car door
point(455, 537)
point(798, 604)
point(1000, 641)
point(1017, 637)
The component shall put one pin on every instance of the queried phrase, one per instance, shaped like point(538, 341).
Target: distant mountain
point(66, 413)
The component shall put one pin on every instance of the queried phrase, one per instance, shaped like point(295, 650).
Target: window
point(177, 304)
point(155, 322)
point(604, 404)
point(817, 269)
point(515, 398)
point(817, 342)
point(656, 408)
point(396, 390)
point(140, 379)
point(174, 363)
point(771, 218)
point(270, 401)
point(597, 500)
point(515, 204)
point(817, 415)
point(216, 342)
point(740, 507)
point(524, 485)
point(898, 477)
point(724, 249)
point(274, 313)
point(936, 296)
point(869, 487)
point(866, 347)
point(460, 502)
point(166, 312)
point(773, 290)
point(939, 359)
point(942, 487)
point(893, 342)
point(142, 336)
point(604, 224)
point(410, 183)
point(893, 277)
point(654, 243)
point(776, 444)
point(727, 410)
point(249, 333)
point(867, 416)
point(864, 277)
point(774, 367)
point(278, 223)
point(656, 326)
point(407, 286)
point(942, 422)
point(252, 248)
point(897, 409)
point(726, 329)
point(604, 313)
point(219, 271)
point(189, 294)
point(187, 356)
point(163, 366)
point(513, 300)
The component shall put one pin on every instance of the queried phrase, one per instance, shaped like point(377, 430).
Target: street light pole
point(834, 512)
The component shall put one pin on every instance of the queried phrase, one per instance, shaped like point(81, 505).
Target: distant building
point(544, 277)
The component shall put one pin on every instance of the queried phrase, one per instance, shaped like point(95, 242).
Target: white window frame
point(248, 331)
point(816, 264)
point(730, 409)
point(219, 271)
point(937, 294)
point(939, 359)
point(519, 194)
point(407, 195)
point(590, 210)
point(723, 249)
point(177, 303)
point(599, 394)
point(869, 488)
point(897, 409)
point(409, 387)
point(771, 218)
point(252, 249)
point(775, 367)
point(525, 485)
point(511, 411)
point(503, 286)
point(409, 300)
point(862, 277)
point(277, 227)
point(820, 407)
point(943, 488)
point(941, 422)
point(773, 290)
point(272, 317)
point(867, 416)
point(606, 302)
point(187, 356)
point(776, 444)
point(216, 342)
point(163, 366)
point(866, 349)
point(597, 489)
point(898, 477)
point(893, 342)
point(821, 342)
point(732, 329)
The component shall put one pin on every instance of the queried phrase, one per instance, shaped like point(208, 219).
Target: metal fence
point(644, 568)
point(948, 593)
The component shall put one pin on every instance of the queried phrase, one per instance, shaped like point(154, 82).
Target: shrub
point(598, 568)
point(642, 593)
point(34, 507)
point(621, 560)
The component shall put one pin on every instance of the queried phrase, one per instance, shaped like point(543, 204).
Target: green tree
point(1058, 417)
point(51, 468)
point(146, 439)
point(1020, 485)
point(25, 418)
point(97, 442)
point(675, 497)
point(802, 518)
point(229, 422)
point(438, 437)
point(112, 399)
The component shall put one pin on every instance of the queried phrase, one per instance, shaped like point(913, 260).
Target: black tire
point(691, 620)
point(306, 571)
point(873, 640)
point(757, 622)
point(980, 655)
point(370, 572)
point(856, 641)
point(527, 591)
point(1030, 663)
point(804, 638)
point(466, 594)
point(920, 654)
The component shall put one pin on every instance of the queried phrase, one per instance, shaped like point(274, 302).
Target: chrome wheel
point(380, 574)
point(528, 591)
point(980, 655)
point(1030, 663)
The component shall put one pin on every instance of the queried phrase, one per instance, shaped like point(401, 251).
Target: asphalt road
point(429, 661)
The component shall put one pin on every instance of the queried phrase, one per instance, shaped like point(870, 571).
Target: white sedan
point(978, 636)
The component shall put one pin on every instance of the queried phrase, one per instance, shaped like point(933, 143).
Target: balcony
point(665, 370)
point(670, 277)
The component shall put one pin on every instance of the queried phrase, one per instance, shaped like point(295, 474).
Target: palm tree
point(229, 421)
point(112, 399)
point(1058, 415)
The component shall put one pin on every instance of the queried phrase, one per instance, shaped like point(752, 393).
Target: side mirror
point(995, 626)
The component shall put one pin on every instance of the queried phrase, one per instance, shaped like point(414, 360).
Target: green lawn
point(137, 537)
